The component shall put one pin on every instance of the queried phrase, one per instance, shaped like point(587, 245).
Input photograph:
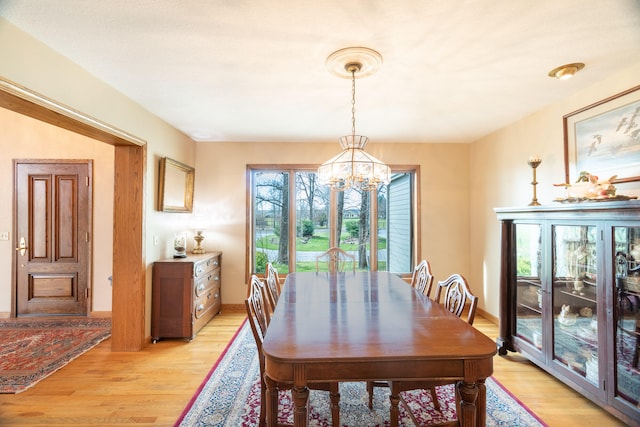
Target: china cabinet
point(570, 297)
point(185, 295)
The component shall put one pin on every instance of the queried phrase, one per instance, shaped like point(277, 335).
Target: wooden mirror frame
point(175, 186)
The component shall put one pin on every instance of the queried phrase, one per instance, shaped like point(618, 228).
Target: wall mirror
point(175, 186)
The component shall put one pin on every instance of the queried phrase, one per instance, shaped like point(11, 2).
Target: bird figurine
point(589, 186)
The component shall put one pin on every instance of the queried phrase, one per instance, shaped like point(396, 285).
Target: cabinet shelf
point(584, 296)
point(530, 307)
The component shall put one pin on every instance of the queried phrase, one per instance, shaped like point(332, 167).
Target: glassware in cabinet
point(529, 292)
point(626, 274)
point(575, 296)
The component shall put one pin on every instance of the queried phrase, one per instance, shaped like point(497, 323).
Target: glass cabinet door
point(627, 313)
point(575, 306)
point(529, 290)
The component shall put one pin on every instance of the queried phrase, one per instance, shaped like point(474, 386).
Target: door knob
point(22, 247)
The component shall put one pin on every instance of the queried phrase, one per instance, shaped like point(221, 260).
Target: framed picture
point(604, 138)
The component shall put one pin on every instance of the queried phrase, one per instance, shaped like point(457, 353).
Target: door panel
point(53, 215)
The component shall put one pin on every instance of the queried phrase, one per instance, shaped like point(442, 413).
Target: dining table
point(368, 326)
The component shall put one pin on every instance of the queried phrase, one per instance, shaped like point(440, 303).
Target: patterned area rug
point(230, 396)
point(32, 349)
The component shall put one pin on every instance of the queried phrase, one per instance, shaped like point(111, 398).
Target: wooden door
point(53, 214)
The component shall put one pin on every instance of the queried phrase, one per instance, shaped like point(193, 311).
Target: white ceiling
point(254, 70)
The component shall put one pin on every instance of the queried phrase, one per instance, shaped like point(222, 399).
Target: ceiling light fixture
point(566, 71)
point(353, 167)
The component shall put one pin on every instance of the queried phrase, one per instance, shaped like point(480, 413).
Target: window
point(293, 219)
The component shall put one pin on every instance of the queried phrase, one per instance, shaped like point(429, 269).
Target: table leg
point(272, 402)
point(481, 418)
point(300, 396)
point(469, 404)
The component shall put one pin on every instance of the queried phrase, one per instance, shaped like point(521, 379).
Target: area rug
point(32, 349)
point(230, 396)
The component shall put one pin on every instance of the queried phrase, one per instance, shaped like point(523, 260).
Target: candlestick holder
point(198, 237)
point(534, 162)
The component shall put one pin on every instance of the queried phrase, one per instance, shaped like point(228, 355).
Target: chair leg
point(434, 397)
point(263, 403)
point(334, 394)
point(370, 391)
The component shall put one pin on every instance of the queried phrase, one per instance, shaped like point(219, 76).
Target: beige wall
point(221, 186)
point(500, 175)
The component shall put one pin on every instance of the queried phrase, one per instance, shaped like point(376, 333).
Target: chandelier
point(353, 167)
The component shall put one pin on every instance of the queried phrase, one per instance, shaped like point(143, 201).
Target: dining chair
point(255, 282)
point(257, 309)
point(336, 259)
point(422, 279)
point(456, 295)
point(272, 285)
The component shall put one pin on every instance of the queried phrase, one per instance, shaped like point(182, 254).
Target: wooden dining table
point(370, 326)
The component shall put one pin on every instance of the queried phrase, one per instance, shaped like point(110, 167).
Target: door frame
point(128, 311)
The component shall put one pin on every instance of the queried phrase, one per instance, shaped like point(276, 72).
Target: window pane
point(399, 224)
point(353, 225)
point(312, 220)
point(271, 220)
point(382, 207)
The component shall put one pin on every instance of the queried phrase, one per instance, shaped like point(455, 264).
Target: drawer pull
point(201, 287)
point(200, 307)
point(199, 269)
point(217, 295)
point(216, 263)
point(217, 278)
point(209, 295)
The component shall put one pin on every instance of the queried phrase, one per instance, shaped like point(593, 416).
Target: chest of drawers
point(185, 295)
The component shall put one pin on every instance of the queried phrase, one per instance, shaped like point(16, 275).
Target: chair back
point(456, 293)
point(272, 283)
point(337, 260)
point(257, 311)
point(422, 279)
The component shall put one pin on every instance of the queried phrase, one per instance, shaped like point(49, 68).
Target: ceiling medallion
point(368, 59)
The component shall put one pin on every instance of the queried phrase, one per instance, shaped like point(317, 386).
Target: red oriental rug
point(230, 397)
point(34, 348)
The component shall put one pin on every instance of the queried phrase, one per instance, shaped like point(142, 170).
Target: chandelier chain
point(353, 102)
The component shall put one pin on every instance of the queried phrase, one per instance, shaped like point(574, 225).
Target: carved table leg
point(467, 411)
point(481, 405)
point(300, 396)
point(272, 402)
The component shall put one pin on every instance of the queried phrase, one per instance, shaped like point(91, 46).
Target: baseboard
point(233, 308)
point(490, 317)
point(100, 314)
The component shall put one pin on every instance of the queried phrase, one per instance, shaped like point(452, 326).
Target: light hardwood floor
point(152, 387)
